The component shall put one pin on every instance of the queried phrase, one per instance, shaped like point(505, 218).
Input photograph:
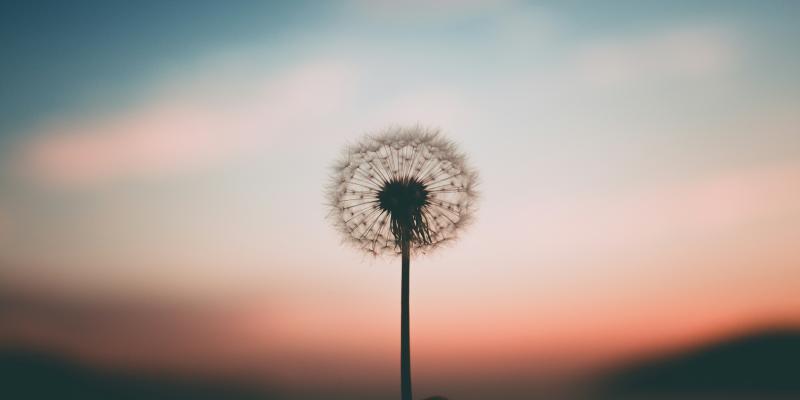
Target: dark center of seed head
point(403, 199)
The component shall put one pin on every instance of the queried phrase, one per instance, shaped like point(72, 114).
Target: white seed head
point(401, 182)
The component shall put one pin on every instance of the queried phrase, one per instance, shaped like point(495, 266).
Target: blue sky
point(62, 57)
point(65, 56)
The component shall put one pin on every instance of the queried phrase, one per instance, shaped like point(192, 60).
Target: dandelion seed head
point(401, 184)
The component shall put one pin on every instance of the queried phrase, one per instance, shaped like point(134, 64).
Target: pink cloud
point(693, 210)
point(185, 128)
point(678, 53)
point(705, 207)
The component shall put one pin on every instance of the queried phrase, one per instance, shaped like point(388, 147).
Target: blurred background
point(163, 231)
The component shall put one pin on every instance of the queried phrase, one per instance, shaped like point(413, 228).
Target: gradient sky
point(640, 179)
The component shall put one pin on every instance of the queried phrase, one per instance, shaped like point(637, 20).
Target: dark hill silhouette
point(33, 375)
point(759, 365)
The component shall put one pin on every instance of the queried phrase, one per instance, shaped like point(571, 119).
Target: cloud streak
point(187, 128)
point(699, 209)
point(678, 53)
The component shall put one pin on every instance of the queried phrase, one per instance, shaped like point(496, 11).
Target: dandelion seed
point(409, 177)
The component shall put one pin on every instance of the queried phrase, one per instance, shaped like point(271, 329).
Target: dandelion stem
point(405, 346)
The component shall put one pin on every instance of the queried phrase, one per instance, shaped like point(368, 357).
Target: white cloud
point(441, 107)
point(421, 9)
point(686, 52)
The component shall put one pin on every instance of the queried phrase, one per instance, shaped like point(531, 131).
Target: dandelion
point(402, 191)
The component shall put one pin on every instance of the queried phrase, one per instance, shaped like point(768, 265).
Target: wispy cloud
point(190, 126)
point(695, 210)
point(679, 52)
point(419, 9)
point(443, 107)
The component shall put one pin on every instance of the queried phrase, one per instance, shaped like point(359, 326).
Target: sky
point(163, 168)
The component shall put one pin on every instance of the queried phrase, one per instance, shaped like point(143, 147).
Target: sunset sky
point(163, 166)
